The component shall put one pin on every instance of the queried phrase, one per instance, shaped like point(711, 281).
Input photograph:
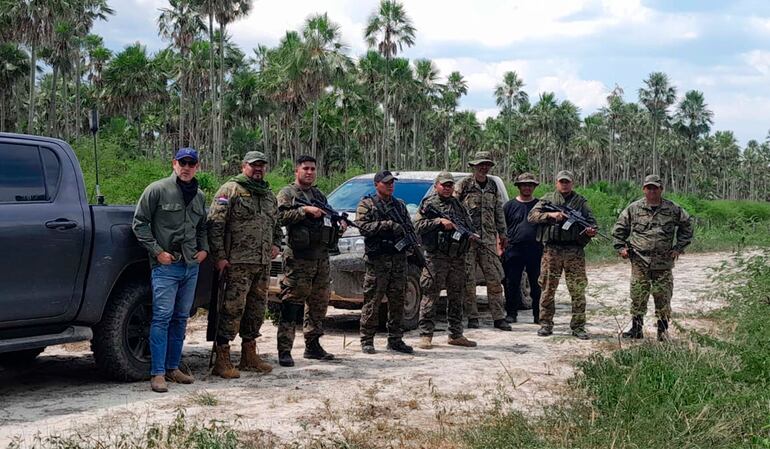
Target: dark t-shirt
point(519, 230)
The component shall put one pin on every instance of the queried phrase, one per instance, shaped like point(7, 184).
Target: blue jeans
point(173, 293)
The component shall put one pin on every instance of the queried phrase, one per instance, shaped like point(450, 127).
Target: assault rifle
point(336, 217)
point(410, 240)
point(431, 211)
point(573, 217)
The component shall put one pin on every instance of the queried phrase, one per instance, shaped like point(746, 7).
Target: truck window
point(22, 173)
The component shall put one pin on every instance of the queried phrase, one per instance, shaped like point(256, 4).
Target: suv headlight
point(352, 244)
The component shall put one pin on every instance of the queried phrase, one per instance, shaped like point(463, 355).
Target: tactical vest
point(384, 243)
point(449, 243)
point(313, 236)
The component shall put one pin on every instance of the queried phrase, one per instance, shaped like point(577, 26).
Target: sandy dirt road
point(63, 393)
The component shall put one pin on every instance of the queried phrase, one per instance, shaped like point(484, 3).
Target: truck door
point(42, 233)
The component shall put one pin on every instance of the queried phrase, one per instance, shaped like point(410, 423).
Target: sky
point(578, 49)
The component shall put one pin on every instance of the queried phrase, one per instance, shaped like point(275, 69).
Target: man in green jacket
point(245, 236)
point(652, 232)
point(170, 222)
point(563, 251)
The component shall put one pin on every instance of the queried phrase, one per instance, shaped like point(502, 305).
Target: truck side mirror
point(93, 120)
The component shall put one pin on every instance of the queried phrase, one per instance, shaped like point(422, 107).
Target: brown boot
point(251, 361)
point(158, 384)
point(426, 342)
point(223, 367)
point(179, 377)
point(461, 341)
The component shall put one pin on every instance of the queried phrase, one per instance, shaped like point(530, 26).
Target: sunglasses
point(187, 162)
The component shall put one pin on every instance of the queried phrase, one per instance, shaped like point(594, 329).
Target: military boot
point(636, 331)
point(426, 342)
point(502, 325)
point(461, 341)
point(285, 359)
point(223, 367)
point(398, 345)
point(663, 330)
point(367, 347)
point(545, 331)
point(314, 350)
point(250, 360)
point(473, 323)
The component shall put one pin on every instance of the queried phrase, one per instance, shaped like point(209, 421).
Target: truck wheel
point(16, 358)
point(412, 300)
point(121, 341)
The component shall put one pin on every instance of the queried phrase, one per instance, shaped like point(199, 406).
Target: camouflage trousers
point(448, 273)
point(572, 261)
point(305, 283)
point(493, 274)
point(245, 298)
point(385, 276)
point(659, 283)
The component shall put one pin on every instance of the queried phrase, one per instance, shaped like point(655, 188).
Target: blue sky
point(578, 49)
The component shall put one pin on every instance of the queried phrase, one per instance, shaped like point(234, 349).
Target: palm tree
point(389, 29)
point(14, 65)
point(657, 97)
point(326, 61)
point(542, 122)
point(180, 24)
point(428, 88)
point(509, 95)
point(692, 120)
point(226, 12)
point(456, 87)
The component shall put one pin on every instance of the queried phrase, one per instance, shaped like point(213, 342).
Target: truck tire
point(17, 358)
point(121, 341)
point(412, 300)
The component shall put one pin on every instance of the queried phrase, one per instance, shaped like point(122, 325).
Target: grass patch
point(705, 392)
point(204, 399)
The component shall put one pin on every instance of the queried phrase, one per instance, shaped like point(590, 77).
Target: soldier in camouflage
point(244, 237)
point(652, 232)
point(480, 196)
point(305, 286)
point(445, 250)
point(563, 251)
point(386, 262)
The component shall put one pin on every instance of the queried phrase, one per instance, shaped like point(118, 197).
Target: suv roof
point(421, 175)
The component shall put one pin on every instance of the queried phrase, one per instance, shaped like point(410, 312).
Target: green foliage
point(709, 392)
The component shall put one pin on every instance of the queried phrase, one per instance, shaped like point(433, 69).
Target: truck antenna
point(93, 123)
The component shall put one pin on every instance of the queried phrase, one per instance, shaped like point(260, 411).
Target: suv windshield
point(347, 196)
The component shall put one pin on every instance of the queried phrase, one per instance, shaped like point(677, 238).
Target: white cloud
point(588, 95)
point(759, 60)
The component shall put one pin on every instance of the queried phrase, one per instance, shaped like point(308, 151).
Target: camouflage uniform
point(445, 257)
point(306, 269)
point(386, 267)
point(243, 230)
point(486, 210)
point(563, 251)
point(651, 234)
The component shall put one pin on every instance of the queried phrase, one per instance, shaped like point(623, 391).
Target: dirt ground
point(63, 393)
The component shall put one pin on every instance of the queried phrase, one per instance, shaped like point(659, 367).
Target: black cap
point(384, 176)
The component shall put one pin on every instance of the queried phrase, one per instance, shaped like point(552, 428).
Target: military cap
point(526, 178)
point(653, 180)
point(445, 177)
point(481, 157)
point(565, 174)
point(254, 156)
point(384, 176)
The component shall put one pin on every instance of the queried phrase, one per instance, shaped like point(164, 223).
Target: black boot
point(313, 350)
point(636, 331)
point(398, 345)
point(663, 330)
point(285, 359)
point(473, 323)
point(502, 325)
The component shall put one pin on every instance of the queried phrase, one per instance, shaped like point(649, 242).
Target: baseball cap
point(384, 176)
point(186, 152)
point(565, 174)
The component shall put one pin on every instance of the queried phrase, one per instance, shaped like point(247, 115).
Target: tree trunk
point(212, 86)
point(446, 144)
point(52, 102)
point(78, 118)
point(2, 113)
point(654, 149)
point(314, 140)
point(385, 156)
point(32, 73)
point(65, 108)
point(181, 111)
point(220, 116)
point(266, 140)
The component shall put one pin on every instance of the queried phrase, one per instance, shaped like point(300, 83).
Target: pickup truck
point(70, 271)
